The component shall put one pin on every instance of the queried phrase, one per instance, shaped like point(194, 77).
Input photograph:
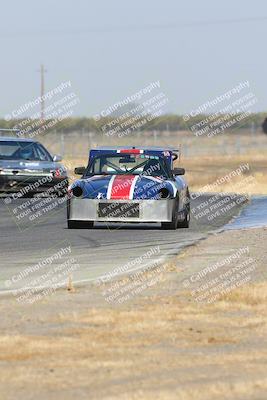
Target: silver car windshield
point(18, 150)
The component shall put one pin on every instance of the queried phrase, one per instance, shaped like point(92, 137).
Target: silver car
point(27, 168)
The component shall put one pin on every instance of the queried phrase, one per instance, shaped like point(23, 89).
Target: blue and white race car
point(129, 185)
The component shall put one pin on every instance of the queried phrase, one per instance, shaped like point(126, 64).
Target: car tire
point(80, 224)
point(171, 226)
point(185, 223)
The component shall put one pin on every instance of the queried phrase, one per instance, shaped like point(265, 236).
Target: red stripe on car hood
point(121, 187)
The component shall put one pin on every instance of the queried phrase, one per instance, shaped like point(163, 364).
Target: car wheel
point(80, 224)
point(173, 224)
point(185, 222)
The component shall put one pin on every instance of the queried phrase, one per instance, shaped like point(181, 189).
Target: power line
point(133, 28)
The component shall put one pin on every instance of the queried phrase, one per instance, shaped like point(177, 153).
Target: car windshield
point(124, 164)
point(19, 150)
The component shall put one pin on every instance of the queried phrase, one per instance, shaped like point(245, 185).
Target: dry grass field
point(206, 170)
point(205, 159)
point(161, 349)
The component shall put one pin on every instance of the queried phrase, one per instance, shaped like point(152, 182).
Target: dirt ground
point(162, 344)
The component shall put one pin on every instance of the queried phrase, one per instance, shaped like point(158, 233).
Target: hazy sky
point(110, 49)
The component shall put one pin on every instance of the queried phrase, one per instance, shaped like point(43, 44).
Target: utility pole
point(42, 71)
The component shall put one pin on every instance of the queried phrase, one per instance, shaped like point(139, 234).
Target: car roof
point(15, 139)
point(148, 148)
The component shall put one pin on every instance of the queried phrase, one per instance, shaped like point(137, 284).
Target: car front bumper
point(31, 183)
point(121, 210)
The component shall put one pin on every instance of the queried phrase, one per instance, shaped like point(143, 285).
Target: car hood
point(24, 165)
point(124, 187)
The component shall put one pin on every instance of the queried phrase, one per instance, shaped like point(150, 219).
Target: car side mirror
point(178, 171)
point(57, 158)
point(79, 170)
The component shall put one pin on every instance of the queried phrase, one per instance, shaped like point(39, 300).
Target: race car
point(129, 184)
point(27, 168)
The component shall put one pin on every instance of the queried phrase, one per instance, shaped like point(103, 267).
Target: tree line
point(168, 122)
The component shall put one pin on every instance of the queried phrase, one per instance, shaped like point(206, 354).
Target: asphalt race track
point(94, 252)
